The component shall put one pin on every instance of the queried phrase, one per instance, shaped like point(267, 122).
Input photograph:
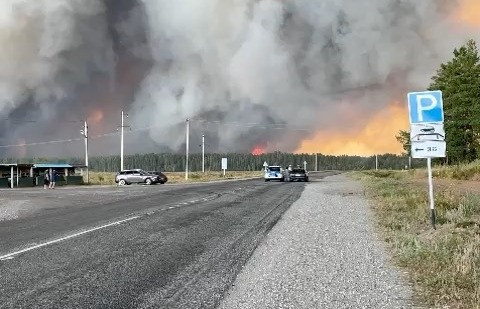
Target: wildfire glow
point(258, 150)
point(96, 116)
point(469, 12)
point(377, 136)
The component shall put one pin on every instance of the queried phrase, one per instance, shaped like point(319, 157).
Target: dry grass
point(444, 264)
point(468, 171)
point(101, 178)
point(104, 178)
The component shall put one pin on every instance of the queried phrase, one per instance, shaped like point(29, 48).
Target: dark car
point(162, 178)
point(298, 174)
point(127, 177)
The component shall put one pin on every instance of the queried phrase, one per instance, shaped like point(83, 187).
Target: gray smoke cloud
point(285, 64)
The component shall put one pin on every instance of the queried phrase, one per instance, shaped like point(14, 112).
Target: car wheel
point(122, 182)
point(148, 181)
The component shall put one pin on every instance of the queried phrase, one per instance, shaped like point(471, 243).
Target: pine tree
point(459, 80)
point(403, 138)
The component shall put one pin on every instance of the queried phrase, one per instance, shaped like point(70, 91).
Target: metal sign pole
point(430, 193)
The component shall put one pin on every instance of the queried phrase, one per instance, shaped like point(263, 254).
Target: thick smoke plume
point(297, 67)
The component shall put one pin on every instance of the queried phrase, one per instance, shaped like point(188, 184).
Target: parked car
point(128, 177)
point(298, 174)
point(274, 173)
point(162, 178)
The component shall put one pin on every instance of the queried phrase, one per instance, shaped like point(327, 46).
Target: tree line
point(236, 161)
point(459, 80)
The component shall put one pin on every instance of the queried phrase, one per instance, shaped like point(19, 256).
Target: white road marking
point(13, 254)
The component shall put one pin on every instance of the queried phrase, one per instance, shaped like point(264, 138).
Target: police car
point(274, 173)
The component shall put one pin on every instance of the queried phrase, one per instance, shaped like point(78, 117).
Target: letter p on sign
point(425, 107)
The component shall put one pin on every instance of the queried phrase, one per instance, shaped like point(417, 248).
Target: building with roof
point(29, 175)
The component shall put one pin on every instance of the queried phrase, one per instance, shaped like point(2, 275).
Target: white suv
point(274, 173)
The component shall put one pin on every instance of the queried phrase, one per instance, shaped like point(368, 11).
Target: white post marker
point(265, 165)
point(224, 165)
point(305, 165)
point(316, 162)
point(376, 162)
point(427, 134)
point(203, 153)
point(85, 134)
point(11, 177)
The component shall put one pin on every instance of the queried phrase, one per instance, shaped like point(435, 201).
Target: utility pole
point(203, 153)
point(187, 145)
point(85, 134)
point(122, 140)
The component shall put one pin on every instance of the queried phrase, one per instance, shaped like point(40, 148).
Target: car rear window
point(274, 169)
point(300, 171)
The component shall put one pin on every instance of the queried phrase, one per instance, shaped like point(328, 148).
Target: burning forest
point(252, 75)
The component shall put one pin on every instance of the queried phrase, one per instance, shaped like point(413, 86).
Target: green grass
point(444, 264)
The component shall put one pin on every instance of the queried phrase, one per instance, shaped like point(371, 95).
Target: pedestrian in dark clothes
point(46, 180)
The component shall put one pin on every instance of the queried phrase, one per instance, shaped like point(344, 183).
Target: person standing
point(46, 180)
point(53, 179)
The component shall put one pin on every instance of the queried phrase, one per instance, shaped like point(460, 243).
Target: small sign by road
point(429, 149)
point(427, 134)
point(425, 107)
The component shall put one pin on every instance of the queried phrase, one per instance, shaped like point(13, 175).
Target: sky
point(310, 76)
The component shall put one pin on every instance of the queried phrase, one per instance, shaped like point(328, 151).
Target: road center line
point(11, 255)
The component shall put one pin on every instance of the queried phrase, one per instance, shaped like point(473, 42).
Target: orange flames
point(258, 150)
point(377, 136)
point(469, 12)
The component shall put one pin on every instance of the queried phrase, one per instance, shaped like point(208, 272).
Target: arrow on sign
point(418, 149)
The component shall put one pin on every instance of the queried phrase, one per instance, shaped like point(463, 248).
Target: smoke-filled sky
point(307, 70)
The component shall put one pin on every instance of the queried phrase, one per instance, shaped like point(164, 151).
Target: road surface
point(178, 246)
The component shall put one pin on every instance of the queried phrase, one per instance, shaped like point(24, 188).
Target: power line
point(42, 143)
point(273, 126)
point(238, 124)
point(39, 121)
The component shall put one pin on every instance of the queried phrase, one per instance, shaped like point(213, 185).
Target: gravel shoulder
point(323, 253)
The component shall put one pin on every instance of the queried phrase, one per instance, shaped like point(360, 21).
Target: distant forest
point(236, 162)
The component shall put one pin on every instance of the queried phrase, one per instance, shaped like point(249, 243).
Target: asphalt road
point(135, 247)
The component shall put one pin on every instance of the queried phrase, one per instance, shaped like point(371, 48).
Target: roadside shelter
point(16, 175)
point(65, 173)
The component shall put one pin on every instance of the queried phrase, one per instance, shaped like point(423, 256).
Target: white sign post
point(224, 165)
point(427, 134)
point(265, 165)
point(305, 165)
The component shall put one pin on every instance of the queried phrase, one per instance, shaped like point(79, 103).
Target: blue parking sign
point(425, 107)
